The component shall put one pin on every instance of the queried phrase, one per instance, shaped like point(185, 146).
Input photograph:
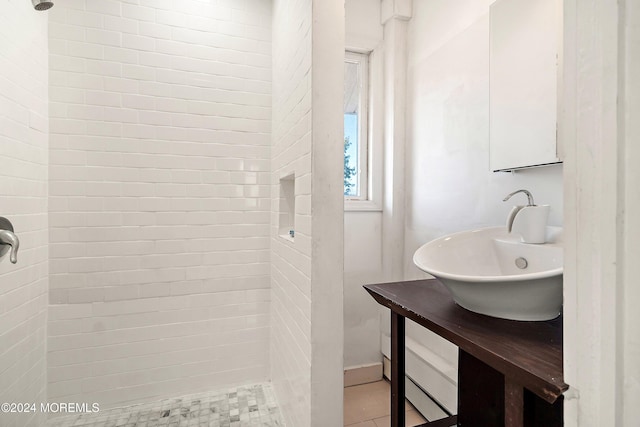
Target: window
point(356, 88)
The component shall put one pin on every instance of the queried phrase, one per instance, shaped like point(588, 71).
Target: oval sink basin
point(490, 271)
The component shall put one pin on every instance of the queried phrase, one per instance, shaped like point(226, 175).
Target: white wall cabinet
point(523, 83)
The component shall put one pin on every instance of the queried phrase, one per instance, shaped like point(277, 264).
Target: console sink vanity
point(509, 372)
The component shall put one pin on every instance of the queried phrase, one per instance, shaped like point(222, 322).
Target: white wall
point(600, 130)
point(291, 262)
point(327, 202)
point(362, 265)
point(449, 186)
point(630, 375)
point(159, 197)
point(306, 345)
point(363, 229)
point(23, 200)
point(363, 29)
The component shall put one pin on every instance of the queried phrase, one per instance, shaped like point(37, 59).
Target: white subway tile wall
point(159, 197)
point(23, 200)
point(291, 261)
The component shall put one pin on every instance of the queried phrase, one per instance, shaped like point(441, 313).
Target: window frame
point(375, 132)
point(362, 59)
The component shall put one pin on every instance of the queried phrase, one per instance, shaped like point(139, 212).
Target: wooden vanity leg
point(480, 393)
point(397, 370)
point(513, 403)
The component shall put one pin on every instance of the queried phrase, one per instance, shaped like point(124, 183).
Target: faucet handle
point(8, 238)
point(529, 196)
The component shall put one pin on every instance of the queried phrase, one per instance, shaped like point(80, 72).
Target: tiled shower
point(140, 166)
point(158, 197)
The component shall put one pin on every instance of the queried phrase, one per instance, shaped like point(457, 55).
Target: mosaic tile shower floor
point(245, 406)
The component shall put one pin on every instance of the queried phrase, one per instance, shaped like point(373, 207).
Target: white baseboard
point(386, 364)
point(436, 376)
point(362, 374)
point(423, 402)
point(418, 397)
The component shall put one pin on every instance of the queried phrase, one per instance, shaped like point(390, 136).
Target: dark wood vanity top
point(529, 353)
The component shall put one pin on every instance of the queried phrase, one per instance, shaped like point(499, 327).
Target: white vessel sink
point(491, 272)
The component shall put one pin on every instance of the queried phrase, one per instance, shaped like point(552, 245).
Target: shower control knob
point(8, 240)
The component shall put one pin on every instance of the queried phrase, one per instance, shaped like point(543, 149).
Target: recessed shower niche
point(287, 207)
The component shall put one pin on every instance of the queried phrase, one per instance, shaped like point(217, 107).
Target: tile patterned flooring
point(246, 406)
point(368, 405)
point(365, 405)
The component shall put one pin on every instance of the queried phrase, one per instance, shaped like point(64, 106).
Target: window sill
point(361, 206)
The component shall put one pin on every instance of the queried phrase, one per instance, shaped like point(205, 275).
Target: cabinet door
point(523, 83)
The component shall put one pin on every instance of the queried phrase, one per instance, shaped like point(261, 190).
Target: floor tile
point(412, 418)
point(366, 402)
point(245, 406)
point(368, 405)
point(363, 424)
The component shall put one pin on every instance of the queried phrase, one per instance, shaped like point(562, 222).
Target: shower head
point(42, 4)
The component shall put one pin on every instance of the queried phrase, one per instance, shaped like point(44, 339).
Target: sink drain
point(521, 263)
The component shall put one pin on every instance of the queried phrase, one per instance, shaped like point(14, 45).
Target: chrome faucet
point(8, 240)
point(529, 196)
point(528, 221)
